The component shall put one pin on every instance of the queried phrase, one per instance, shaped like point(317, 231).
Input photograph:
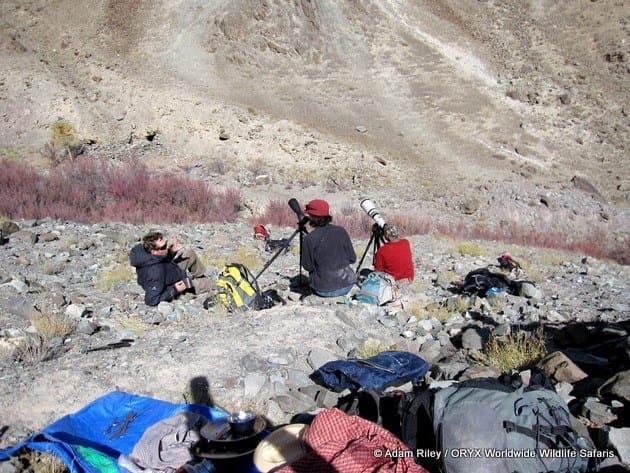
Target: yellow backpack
point(237, 288)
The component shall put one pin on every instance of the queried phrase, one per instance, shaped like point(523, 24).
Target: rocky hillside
point(377, 93)
point(182, 352)
point(498, 113)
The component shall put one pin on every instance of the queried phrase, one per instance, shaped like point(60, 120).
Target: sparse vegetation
point(469, 249)
point(370, 348)
point(517, 351)
point(32, 350)
point(62, 134)
point(249, 257)
point(38, 462)
point(110, 278)
point(51, 324)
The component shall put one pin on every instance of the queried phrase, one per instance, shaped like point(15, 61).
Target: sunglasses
point(163, 247)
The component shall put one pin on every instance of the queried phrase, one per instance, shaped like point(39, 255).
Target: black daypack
point(382, 408)
point(490, 426)
point(482, 282)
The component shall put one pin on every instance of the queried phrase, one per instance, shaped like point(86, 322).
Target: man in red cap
point(327, 253)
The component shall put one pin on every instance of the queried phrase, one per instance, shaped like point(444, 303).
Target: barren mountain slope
point(442, 92)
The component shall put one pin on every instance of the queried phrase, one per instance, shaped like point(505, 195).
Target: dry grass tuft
point(133, 323)
point(470, 249)
point(38, 462)
point(50, 325)
point(111, 278)
point(519, 350)
point(370, 348)
point(32, 350)
point(248, 256)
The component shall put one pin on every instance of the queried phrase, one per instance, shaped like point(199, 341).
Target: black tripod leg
point(364, 254)
point(282, 248)
point(301, 230)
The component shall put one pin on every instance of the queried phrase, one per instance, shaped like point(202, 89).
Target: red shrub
point(93, 190)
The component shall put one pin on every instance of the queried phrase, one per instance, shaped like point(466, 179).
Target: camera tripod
point(376, 240)
point(301, 230)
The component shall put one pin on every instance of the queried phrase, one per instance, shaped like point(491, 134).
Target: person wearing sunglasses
point(165, 270)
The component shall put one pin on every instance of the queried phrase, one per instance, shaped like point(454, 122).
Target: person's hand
point(176, 245)
point(180, 286)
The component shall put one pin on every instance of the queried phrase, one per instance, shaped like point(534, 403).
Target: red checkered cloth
point(342, 443)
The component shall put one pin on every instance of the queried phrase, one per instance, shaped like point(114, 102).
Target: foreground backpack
point(378, 288)
point(485, 425)
point(237, 289)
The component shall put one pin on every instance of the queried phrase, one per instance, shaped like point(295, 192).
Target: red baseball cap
point(317, 208)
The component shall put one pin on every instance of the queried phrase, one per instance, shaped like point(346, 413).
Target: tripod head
point(378, 235)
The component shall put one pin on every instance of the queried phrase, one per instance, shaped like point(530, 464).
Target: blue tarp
point(82, 441)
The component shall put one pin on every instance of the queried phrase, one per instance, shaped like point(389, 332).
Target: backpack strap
point(417, 414)
point(542, 433)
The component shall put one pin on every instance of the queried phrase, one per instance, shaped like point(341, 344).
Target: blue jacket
point(327, 253)
point(156, 274)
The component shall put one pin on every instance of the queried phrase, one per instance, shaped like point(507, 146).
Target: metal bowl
point(242, 422)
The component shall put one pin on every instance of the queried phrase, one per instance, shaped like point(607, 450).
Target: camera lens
point(368, 206)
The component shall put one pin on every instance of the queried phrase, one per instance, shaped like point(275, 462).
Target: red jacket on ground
point(394, 258)
point(341, 443)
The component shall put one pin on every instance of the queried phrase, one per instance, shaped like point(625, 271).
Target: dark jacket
point(156, 274)
point(327, 253)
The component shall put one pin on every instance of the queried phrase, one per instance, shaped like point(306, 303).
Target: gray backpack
point(487, 426)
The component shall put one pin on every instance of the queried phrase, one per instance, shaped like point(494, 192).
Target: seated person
point(394, 257)
point(165, 271)
point(327, 253)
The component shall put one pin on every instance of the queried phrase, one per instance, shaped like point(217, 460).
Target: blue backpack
point(378, 288)
point(388, 368)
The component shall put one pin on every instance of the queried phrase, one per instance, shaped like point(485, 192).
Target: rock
point(21, 307)
point(574, 334)
point(597, 412)
point(473, 372)
point(18, 284)
point(475, 338)
point(430, 351)
point(9, 228)
point(86, 327)
point(26, 236)
point(530, 291)
point(47, 237)
point(561, 368)
point(318, 357)
point(165, 308)
point(294, 402)
point(76, 311)
point(262, 180)
point(619, 439)
point(252, 384)
point(282, 357)
point(617, 387)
